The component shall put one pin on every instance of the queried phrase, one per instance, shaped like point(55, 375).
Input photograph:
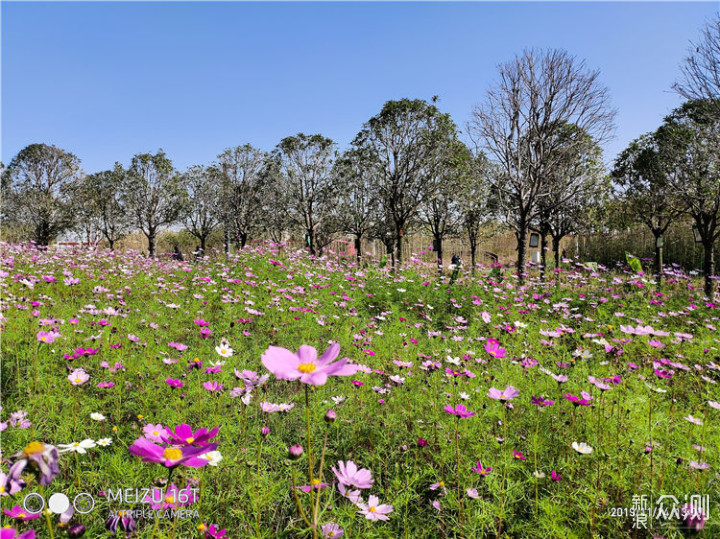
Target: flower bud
point(295, 452)
point(265, 431)
point(78, 530)
point(330, 415)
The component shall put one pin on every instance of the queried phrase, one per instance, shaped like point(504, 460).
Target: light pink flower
point(373, 510)
point(350, 476)
point(78, 377)
point(305, 365)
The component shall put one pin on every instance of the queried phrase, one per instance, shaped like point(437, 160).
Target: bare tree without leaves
point(243, 182)
point(153, 194)
point(305, 163)
point(538, 93)
point(37, 191)
point(203, 189)
point(701, 69)
point(475, 203)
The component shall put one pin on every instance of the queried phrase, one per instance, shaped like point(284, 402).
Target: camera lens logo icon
point(58, 503)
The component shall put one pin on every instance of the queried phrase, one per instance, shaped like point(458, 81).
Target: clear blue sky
point(108, 80)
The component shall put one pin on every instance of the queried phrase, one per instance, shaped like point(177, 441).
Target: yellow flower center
point(502, 396)
point(78, 380)
point(306, 367)
point(21, 515)
point(169, 499)
point(332, 534)
point(223, 351)
point(156, 433)
point(371, 509)
point(190, 440)
point(441, 483)
point(76, 444)
point(32, 448)
point(172, 453)
point(315, 482)
point(202, 527)
point(43, 338)
point(2, 489)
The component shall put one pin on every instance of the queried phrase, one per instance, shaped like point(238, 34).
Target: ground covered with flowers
point(269, 394)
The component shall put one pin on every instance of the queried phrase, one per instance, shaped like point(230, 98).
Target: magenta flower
point(174, 382)
point(106, 385)
point(350, 476)
point(540, 401)
point(493, 348)
point(480, 470)
point(316, 484)
point(214, 532)
point(184, 435)
point(19, 513)
point(505, 395)
point(171, 456)
point(305, 365)
point(693, 516)
point(11, 533)
point(518, 455)
point(584, 400)
point(213, 387)
point(555, 476)
point(459, 411)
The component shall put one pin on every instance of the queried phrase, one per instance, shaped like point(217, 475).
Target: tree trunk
point(226, 240)
point(151, 244)
point(556, 250)
point(358, 245)
point(203, 241)
point(111, 243)
point(709, 267)
point(521, 236)
point(543, 255)
point(243, 240)
point(439, 252)
point(473, 250)
point(398, 248)
point(658, 259)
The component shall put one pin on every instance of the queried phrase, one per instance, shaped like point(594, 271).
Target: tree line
point(532, 162)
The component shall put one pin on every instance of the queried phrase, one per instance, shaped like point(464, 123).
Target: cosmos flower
point(77, 447)
point(47, 336)
point(460, 411)
point(36, 457)
point(507, 394)
point(78, 377)
point(184, 435)
point(693, 420)
point(332, 531)
point(11, 533)
point(480, 470)
point(472, 493)
point(373, 510)
point(493, 348)
point(305, 365)
point(171, 456)
point(582, 448)
point(19, 513)
point(350, 476)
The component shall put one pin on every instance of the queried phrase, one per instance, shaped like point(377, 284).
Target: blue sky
point(108, 80)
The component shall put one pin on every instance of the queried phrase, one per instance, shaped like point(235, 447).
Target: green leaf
point(633, 262)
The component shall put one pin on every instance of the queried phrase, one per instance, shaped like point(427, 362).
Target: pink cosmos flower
point(518, 455)
point(213, 387)
point(184, 435)
point(171, 456)
point(373, 510)
point(505, 395)
point(106, 385)
point(155, 433)
point(78, 377)
point(20, 514)
point(555, 476)
point(332, 531)
point(174, 382)
point(493, 348)
point(11, 533)
point(350, 476)
point(352, 495)
point(316, 484)
point(472, 493)
point(47, 336)
point(460, 410)
point(480, 470)
point(305, 365)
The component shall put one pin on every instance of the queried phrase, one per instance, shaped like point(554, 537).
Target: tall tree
point(538, 94)
point(690, 138)
point(305, 163)
point(357, 201)
point(405, 142)
point(202, 187)
point(643, 186)
point(37, 188)
point(242, 186)
point(153, 194)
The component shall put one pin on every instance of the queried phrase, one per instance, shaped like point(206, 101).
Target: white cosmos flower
point(693, 420)
point(538, 475)
point(582, 448)
point(338, 399)
point(213, 457)
point(104, 442)
point(97, 417)
point(77, 447)
point(224, 351)
point(464, 396)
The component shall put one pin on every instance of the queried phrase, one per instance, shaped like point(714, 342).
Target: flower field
point(271, 394)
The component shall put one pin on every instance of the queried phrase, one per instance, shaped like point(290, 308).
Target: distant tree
point(38, 182)
point(441, 213)
point(642, 184)
point(701, 69)
point(357, 201)
point(305, 163)
point(539, 93)
point(475, 202)
point(404, 141)
point(203, 192)
point(689, 142)
point(153, 195)
point(242, 185)
point(576, 186)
